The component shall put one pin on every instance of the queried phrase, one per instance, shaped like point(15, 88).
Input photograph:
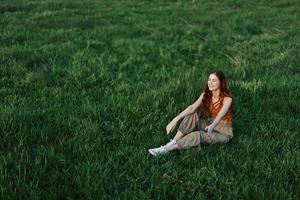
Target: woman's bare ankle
point(171, 147)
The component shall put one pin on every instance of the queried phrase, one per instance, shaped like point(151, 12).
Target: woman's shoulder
point(227, 98)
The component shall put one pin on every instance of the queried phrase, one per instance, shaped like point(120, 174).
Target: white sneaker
point(157, 151)
point(172, 141)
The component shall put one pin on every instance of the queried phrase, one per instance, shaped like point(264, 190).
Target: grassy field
point(87, 87)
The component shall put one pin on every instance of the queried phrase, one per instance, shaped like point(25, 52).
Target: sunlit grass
point(88, 86)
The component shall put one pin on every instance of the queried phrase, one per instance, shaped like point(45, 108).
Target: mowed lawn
point(87, 87)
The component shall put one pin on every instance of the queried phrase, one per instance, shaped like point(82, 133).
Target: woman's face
point(213, 82)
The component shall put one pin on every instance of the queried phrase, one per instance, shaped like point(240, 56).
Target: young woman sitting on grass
point(208, 120)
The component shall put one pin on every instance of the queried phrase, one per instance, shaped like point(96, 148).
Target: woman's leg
point(199, 137)
point(171, 147)
point(193, 139)
point(216, 137)
point(187, 125)
point(178, 136)
point(190, 140)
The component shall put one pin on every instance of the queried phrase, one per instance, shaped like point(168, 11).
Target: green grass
point(87, 87)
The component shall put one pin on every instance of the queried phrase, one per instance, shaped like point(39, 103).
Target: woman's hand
point(171, 126)
point(209, 129)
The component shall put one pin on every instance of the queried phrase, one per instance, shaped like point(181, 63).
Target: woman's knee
point(188, 123)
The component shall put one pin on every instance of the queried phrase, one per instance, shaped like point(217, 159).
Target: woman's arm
point(190, 109)
point(223, 111)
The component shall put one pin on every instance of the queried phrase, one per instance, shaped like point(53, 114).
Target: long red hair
point(224, 92)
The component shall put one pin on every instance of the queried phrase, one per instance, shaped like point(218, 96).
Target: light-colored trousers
point(192, 126)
